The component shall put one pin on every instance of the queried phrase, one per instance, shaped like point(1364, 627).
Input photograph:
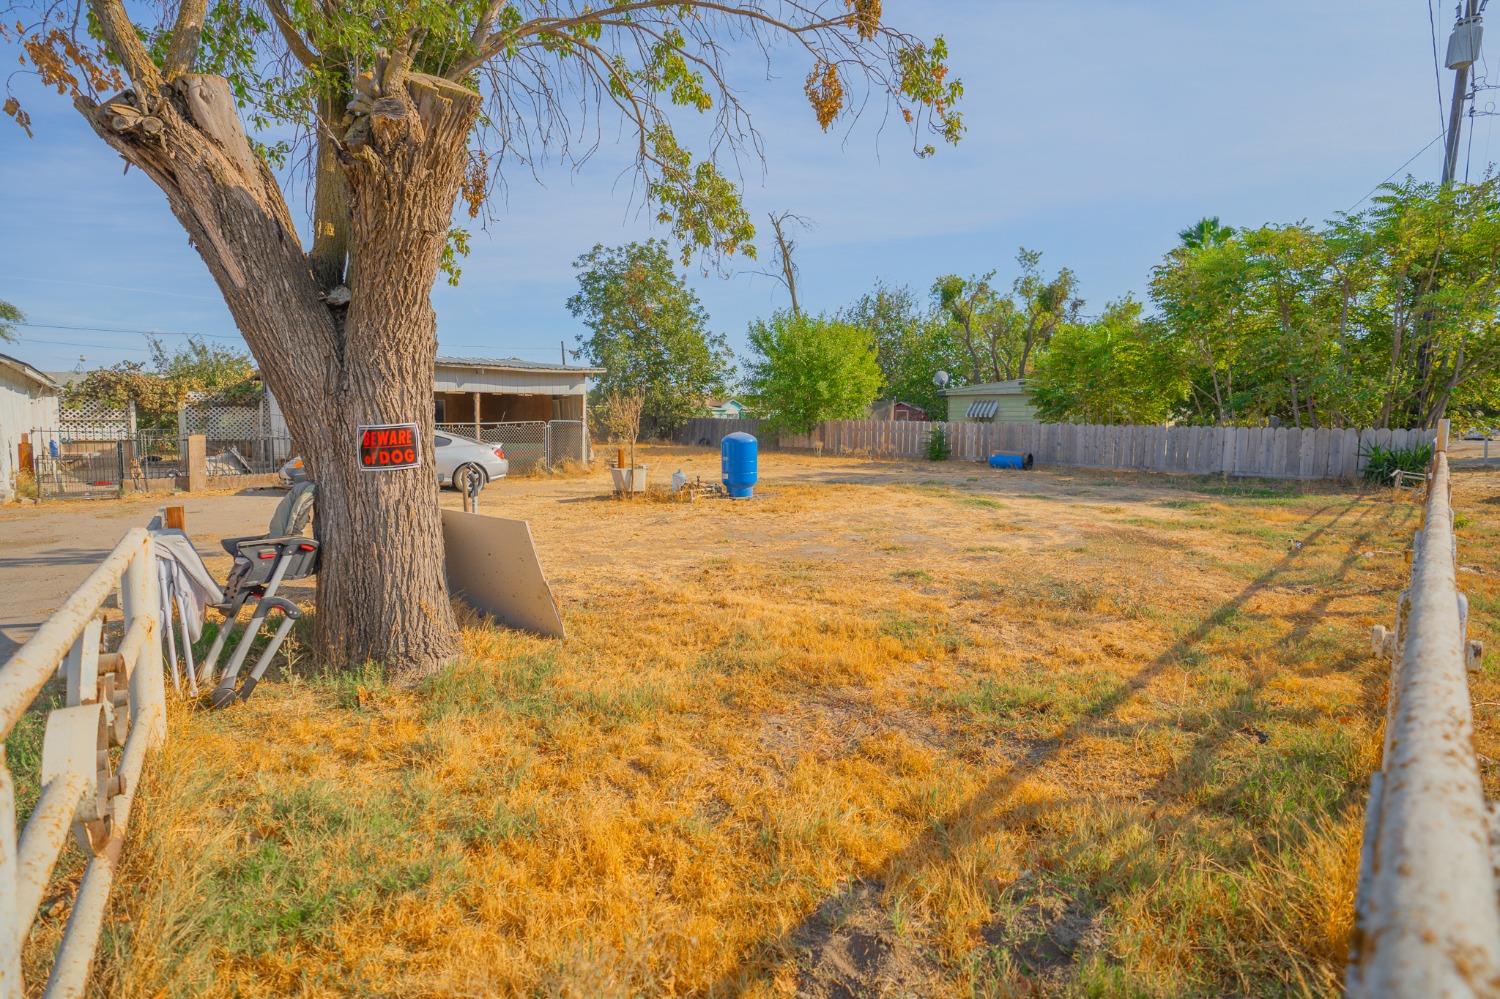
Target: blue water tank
point(1011, 459)
point(737, 462)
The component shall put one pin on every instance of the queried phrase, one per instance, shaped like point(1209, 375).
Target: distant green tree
point(1117, 369)
point(648, 331)
point(912, 344)
point(1001, 333)
point(1205, 232)
point(1387, 317)
point(805, 369)
point(10, 318)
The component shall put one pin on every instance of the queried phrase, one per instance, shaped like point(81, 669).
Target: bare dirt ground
point(48, 549)
point(888, 729)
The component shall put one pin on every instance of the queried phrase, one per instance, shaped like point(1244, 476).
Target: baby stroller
point(262, 563)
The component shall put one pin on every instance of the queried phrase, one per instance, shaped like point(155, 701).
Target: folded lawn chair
point(261, 564)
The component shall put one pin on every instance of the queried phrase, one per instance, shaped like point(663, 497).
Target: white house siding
point(25, 405)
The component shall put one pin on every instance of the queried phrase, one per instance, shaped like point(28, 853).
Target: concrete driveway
point(47, 550)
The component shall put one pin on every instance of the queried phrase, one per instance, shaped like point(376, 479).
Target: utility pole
point(1463, 51)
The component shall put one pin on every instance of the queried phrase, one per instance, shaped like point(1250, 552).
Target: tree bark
point(382, 594)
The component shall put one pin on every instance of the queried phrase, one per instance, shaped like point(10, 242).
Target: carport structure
point(473, 391)
point(537, 411)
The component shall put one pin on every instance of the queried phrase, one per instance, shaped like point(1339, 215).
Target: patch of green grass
point(519, 686)
point(23, 749)
point(1021, 701)
point(1295, 772)
point(621, 704)
point(914, 631)
point(912, 575)
point(746, 652)
point(321, 851)
point(349, 687)
point(983, 502)
point(491, 821)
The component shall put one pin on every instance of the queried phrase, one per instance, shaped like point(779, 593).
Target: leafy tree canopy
point(173, 376)
point(1117, 369)
point(548, 71)
point(10, 318)
point(648, 331)
point(806, 369)
point(1387, 317)
point(912, 344)
point(1001, 333)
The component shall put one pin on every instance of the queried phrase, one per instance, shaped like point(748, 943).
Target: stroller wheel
point(222, 697)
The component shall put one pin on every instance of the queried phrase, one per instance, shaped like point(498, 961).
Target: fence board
point(1281, 452)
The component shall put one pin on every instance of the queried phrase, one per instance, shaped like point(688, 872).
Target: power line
point(117, 329)
point(1393, 173)
point(1437, 76)
point(216, 336)
point(76, 343)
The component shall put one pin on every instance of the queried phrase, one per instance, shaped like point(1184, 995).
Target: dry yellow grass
point(889, 729)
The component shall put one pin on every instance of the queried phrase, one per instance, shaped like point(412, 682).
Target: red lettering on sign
point(389, 447)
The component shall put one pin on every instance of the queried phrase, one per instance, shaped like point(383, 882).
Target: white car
point(452, 452)
point(1476, 435)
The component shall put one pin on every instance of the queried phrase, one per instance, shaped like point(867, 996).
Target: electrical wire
point(212, 336)
point(1437, 75)
point(116, 329)
point(1393, 173)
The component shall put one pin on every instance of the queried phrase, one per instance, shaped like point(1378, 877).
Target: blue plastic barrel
point(1011, 459)
point(737, 462)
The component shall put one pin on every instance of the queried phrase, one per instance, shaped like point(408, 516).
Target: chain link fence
point(529, 445)
point(81, 467)
point(69, 464)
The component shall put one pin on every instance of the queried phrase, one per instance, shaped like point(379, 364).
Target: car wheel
point(462, 473)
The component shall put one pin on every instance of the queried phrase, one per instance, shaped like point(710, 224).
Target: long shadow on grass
point(987, 811)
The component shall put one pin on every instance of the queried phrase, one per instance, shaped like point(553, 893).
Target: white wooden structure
point(28, 401)
point(470, 391)
point(475, 390)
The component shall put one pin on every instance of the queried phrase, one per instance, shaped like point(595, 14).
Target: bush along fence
point(94, 748)
point(1427, 919)
point(1264, 452)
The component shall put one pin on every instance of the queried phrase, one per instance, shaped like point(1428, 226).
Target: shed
point(991, 402)
point(28, 401)
point(895, 409)
point(725, 409)
point(474, 390)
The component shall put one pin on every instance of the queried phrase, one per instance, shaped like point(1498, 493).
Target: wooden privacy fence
point(1264, 452)
point(93, 751)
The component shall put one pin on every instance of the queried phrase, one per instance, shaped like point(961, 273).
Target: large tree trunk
point(382, 596)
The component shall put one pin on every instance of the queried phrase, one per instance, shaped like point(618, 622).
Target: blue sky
point(1096, 130)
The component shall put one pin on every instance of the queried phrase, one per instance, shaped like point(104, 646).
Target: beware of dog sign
point(389, 446)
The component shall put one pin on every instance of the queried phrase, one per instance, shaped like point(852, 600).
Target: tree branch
point(120, 35)
point(495, 42)
point(186, 34)
point(294, 41)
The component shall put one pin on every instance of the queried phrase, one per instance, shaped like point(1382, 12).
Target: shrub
point(937, 445)
point(1381, 463)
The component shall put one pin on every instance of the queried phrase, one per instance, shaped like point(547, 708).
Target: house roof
point(1015, 386)
point(514, 364)
point(27, 371)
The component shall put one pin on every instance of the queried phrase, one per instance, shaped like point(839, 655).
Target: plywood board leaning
point(493, 567)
